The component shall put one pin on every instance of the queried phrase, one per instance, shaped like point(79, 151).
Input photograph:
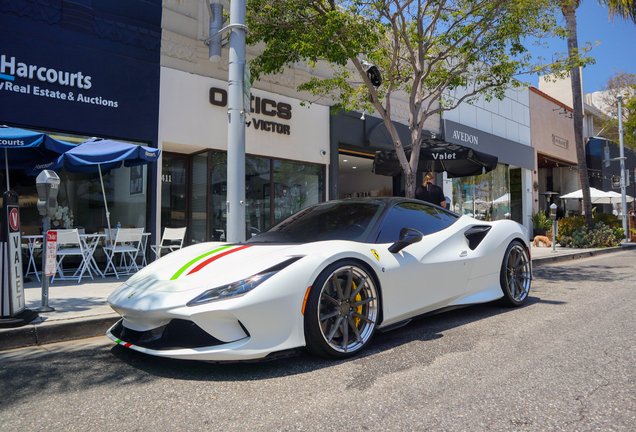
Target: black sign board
point(12, 301)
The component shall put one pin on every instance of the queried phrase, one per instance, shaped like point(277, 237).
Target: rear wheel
point(341, 311)
point(516, 274)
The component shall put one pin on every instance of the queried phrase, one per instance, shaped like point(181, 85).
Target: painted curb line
point(56, 331)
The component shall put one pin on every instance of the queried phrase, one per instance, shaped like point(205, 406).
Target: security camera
point(372, 72)
point(323, 153)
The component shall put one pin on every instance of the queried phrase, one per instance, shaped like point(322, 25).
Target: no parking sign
point(51, 253)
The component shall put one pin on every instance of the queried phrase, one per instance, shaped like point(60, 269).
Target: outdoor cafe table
point(90, 244)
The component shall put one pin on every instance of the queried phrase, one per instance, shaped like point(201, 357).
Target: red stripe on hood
point(214, 258)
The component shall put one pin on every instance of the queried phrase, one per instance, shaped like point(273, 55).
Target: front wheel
point(341, 311)
point(516, 274)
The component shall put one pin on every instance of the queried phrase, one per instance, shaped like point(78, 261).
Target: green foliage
point(623, 84)
point(425, 50)
point(608, 219)
point(568, 225)
point(629, 125)
point(601, 236)
point(541, 221)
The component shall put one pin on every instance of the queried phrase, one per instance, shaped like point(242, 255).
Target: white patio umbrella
point(597, 196)
point(504, 199)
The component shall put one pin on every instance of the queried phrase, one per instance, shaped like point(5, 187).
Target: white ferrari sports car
point(325, 278)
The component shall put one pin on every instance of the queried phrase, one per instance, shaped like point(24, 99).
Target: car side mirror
point(408, 236)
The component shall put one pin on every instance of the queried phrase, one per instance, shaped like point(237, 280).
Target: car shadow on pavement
point(420, 342)
point(566, 273)
point(424, 329)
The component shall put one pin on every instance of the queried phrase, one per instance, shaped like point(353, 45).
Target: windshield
point(348, 220)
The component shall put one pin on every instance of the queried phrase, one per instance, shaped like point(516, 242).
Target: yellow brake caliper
point(358, 309)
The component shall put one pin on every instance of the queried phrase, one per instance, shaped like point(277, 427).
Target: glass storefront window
point(218, 196)
point(126, 193)
point(274, 190)
point(484, 197)
point(257, 194)
point(297, 186)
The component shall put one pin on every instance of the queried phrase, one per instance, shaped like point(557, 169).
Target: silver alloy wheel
point(348, 309)
point(518, 273)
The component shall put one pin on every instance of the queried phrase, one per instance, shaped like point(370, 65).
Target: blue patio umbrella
point(29, 151)
point(99, 155)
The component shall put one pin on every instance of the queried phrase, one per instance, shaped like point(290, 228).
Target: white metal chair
point(69, 243)
point(172, 240)
point(126, 242)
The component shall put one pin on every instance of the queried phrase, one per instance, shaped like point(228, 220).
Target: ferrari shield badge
point(375, 254)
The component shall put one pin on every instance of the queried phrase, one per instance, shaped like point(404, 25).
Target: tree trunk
point(569, 11)
point(410, 186)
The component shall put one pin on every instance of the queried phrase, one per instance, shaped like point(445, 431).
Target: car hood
point(210, 263)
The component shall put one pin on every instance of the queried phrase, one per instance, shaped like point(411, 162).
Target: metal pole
point(6, 166)
point(236, 127)
point(553, 215)
point(101, 179)
point(46, 223)
point(622, 156)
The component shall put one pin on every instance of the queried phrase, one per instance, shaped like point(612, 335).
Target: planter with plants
point(540, 224)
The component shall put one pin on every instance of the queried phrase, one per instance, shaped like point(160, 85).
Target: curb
point(57, 331)
point(538, 262)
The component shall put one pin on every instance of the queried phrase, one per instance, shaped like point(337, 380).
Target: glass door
point(174, 191)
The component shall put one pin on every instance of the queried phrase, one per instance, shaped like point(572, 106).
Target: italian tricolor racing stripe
point(199, 261)
point(126, 344)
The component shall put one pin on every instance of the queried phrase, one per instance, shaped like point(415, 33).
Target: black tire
point(341, 311)
point(516, 274)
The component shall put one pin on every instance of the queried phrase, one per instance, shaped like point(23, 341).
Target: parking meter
point(553, 215)
point(48, 185)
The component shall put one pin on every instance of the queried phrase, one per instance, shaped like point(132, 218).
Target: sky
point(616, 51)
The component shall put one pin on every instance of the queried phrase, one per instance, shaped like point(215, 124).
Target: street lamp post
point(236, 126)
point(622, 159)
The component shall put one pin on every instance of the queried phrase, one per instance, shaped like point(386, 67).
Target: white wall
point(508, 118)
point(186, 117)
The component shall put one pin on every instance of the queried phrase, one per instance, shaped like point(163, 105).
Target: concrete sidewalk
point(81, 310)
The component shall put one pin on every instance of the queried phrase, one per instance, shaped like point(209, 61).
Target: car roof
point(390, 200)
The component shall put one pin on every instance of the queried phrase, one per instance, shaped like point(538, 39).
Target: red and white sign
point(51, 253)
point(14, 219)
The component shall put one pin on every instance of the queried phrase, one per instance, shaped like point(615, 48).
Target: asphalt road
point(566, 361)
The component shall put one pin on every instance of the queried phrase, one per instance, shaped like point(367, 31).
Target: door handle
point(463, 253)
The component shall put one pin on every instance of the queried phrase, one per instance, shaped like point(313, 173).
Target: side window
point(423, 218)
point(448, 218)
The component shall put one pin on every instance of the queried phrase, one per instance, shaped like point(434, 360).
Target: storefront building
point(286, 143)
point(77, 70)
point(607, 178)
point(553, 139)
point(355, 138)
point(286, 155)
point(500, 128)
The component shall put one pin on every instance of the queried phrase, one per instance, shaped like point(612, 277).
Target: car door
point(426, 275)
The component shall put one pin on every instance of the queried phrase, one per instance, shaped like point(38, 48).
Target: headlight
point(242, 287)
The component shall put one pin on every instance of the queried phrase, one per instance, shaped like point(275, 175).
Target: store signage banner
point(509, 152)
point(53, 83)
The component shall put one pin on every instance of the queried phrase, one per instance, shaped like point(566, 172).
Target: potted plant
point(540, 224)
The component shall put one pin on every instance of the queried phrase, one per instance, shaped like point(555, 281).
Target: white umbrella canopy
point(480, 205)
point(504, 199)
point(597, 196)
